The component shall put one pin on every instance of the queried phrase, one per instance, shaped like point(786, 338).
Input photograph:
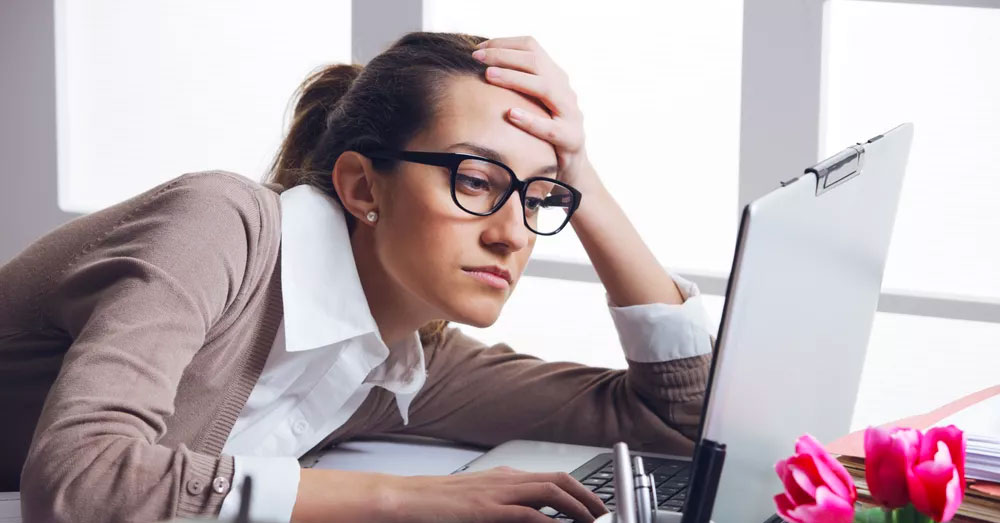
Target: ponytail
point(316, 97)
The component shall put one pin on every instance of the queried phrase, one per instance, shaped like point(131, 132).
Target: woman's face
point(434, 250)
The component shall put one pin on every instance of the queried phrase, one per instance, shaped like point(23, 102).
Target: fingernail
point(480, 45)
point(479, 55)
point(492, 72)
point(517, 114)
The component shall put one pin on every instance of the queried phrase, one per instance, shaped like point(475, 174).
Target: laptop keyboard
point(671, 477)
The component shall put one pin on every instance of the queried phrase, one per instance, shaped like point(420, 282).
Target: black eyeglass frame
point(453, 160)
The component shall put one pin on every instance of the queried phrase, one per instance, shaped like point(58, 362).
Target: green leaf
point(909, 514)
point(871, 515)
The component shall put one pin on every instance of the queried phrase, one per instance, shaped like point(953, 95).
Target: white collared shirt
point(328, 353)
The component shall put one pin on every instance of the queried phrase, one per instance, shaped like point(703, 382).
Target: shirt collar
point(324, 303)
point(323, 300)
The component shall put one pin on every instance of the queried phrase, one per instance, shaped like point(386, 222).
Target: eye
point(532, 204)
point(472, 182)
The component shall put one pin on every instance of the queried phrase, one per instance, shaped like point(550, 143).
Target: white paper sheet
point(981, 424)
point(404, 458)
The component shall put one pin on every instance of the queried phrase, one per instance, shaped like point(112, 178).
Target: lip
point(491, 274)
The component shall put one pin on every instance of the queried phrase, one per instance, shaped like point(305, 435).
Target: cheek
point(423, 241)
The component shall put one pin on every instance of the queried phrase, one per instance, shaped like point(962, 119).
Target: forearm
point(341, 495)
point(629, 271)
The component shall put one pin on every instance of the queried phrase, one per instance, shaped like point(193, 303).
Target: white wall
point(28, 205)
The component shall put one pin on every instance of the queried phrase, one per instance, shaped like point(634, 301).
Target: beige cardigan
point(131, 338)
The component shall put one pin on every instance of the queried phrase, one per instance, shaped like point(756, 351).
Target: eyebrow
point(492, 154)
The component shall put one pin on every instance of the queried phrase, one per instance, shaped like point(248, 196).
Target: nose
point(505, 228)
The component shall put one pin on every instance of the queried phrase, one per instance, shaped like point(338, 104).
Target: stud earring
point(372, 216)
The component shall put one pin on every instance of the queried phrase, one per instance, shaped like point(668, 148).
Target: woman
point(147, 344)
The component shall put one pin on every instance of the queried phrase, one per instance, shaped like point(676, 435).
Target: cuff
point(275, 486)
point(659, 332)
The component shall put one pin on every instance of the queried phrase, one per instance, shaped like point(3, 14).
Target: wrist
point(584, 178)
point(335, 495)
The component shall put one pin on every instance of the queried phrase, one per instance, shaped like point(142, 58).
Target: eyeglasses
point(481, 186)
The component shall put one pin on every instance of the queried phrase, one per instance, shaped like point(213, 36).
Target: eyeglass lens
point(479, 186)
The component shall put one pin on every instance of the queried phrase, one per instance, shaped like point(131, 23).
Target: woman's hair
point(379, 106)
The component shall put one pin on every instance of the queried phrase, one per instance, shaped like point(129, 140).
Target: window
point(150, 90)
point(934, 68)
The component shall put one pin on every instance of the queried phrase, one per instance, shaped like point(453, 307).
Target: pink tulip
point(937, 480)
point(889, 456)
point(818, 489)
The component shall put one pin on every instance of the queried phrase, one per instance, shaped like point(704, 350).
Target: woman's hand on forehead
point(519, 63)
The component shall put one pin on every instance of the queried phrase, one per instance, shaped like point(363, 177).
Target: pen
point(652, 497)
point(641, 490)
point(245, 492)
point(624, 487)
point(705, 474)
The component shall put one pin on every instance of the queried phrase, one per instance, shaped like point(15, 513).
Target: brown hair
point(381, 105)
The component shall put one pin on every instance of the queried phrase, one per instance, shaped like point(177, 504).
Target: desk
point(10, 507)
point(400, 456)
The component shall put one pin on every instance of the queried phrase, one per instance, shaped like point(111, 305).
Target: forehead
point(474, 111)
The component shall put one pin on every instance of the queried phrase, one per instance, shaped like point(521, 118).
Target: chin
point(480, 312)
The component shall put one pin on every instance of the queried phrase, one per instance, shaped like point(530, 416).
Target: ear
point(354, 181)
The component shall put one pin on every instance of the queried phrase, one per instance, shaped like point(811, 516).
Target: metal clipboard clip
point(838, 168)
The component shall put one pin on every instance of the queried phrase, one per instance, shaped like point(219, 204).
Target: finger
point(509, 513)
point(525, 61)
point(527, 83)
point(523, 43)
point(577, 490)
point(543, 127)
point(545, 494)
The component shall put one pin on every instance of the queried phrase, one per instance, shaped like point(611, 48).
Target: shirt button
point(299, 426)
point(220, 485)
point(195, 486)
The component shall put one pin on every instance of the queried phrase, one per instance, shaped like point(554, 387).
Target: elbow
point(44, 492)
point(60, 483)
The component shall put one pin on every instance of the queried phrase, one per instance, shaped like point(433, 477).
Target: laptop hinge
point(838, 169)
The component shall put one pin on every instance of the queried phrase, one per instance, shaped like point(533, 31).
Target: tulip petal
point(831, 471)
point(954, 439)
point(829, 508)
point(929, 488)
point(799, 486)
point(889, 454)
point(784, 507)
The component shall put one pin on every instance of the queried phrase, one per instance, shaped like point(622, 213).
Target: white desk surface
point(404, 457)
point(10, 507)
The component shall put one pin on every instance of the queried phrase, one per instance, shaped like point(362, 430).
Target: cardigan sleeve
point(486, 395)
point(137, 300)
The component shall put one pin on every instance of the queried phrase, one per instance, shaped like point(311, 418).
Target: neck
point(396, 311)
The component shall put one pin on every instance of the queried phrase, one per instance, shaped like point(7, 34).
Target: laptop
point(800, 301)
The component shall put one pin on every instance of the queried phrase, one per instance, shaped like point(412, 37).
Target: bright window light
point(561, 320)
point(934, 65)
point(150, 90)
point(916, 364)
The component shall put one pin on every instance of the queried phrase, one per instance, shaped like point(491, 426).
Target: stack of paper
point(981, 424)
point(981, 503)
